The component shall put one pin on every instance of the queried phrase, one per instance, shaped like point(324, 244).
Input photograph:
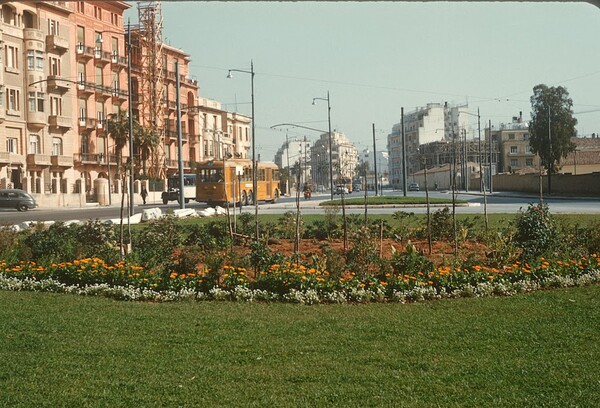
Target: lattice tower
point(152, 80)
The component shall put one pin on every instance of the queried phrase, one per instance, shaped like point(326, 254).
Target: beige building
point(64, 72)
point(344, 159)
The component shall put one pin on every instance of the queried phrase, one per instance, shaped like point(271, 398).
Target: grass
point(539, 349)
point(389, 200)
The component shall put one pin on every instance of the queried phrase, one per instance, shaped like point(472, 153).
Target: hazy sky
point(376, 57)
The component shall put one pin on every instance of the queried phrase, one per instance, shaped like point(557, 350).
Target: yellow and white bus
point(219, 182)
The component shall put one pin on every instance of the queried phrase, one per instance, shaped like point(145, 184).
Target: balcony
point(11, 158)
point(61, 161)
point(102, 91)
point(36, 120)
point(87, 123)
point(101, 57)
point(33, 34)
point(56, 83)
point(118, 60)
point(42, 160)
point(87, 158)
point(119, 94)
point(83, 52)
point(58, 121)
point(85, 88)
point(54, 42)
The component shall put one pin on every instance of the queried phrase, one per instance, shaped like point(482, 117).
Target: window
point(99, 80)
point(54, 66)
point(100, 112)
point(98, 48)
point(36, 101)
point(53, 27)
point(39, 60)
point(34, 144)
point(114, 19)
point(13, 97)
point(57, 146)
point(30, 59)
point(115, 48)
point(529, 162)
point(82, 109)
point(514, 149)
point(81, 7)
point(98, 12)
point(514, 162)
point(527, 149)
point(115, 81)
point(80, 38)
point(12, 57)
point(12, 145)
point(55, 106)
point(81, 72)
point(511, 136)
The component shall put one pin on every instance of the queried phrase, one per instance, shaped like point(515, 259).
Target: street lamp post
point(254, 170)
point(129, 112)
point(330, 150)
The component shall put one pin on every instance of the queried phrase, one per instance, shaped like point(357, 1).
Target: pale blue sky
point(376, 57)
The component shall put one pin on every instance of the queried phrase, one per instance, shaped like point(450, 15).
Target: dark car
point(18, 199)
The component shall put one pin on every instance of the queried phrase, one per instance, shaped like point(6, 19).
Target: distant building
point(293, 154)
point(343, 153)
point(425, 125)
point(367, 156)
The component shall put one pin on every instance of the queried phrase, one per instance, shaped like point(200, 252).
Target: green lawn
point(539, 349)
point(357, 199)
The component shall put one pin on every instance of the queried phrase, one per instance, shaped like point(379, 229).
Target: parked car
point(413, 187)
point(356, 187)
point(341, 189)
point(18, 199)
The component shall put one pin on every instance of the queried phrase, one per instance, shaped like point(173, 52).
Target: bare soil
point(440, 250)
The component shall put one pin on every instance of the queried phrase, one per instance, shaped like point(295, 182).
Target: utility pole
point(403, 153)
point(374, 160)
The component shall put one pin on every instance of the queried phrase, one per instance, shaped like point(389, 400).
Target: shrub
point(96, 239)
point(154, 244)
point(362, 257)
point(536, 231)
point(52, 244)
point(410, 261)
point(9, 244)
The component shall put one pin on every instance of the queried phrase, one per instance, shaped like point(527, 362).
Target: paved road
point(497, 203)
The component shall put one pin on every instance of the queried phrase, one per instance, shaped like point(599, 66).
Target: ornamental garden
point(402, 258)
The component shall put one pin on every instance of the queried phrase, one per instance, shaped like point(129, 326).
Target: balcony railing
point(88, 123)
point(8, 158)
point(61, 161)
point(53, 41)
point(84, 51)
point(56, 82)
point(60, 121)
point(88, 158)
point(35, 159)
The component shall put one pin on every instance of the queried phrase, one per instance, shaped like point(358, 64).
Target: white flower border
point(307, 297)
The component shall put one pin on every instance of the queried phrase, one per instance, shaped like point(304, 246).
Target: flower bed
point(290, 282)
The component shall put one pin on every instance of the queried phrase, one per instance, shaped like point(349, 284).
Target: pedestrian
point(144, 194)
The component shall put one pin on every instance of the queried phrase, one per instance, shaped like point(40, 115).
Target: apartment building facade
point(344, 157)
point(63, 74)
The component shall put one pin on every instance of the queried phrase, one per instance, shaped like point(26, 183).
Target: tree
point(552, 126)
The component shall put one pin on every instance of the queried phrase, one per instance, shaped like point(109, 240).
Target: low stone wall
point(587, 185)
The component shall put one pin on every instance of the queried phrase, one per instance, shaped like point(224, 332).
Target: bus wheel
point(165, 201)
point(187, 200)
point(249, 198)
point(275, 196)
point(244, 200)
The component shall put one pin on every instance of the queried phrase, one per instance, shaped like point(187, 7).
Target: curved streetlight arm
point(300, 126)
